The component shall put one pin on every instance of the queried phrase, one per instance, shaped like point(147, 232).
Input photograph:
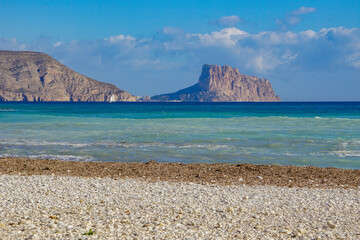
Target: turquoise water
point(319, 134)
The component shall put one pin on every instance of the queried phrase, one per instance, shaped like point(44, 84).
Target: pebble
point(230, 209)
point(331, 225)
point(301, 230)
point(258, 227)
point(48, 207)
point(285, 231)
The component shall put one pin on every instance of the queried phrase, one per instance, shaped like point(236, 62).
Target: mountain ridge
point(35, 76)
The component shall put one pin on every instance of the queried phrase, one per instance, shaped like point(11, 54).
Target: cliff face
point(32, 76)
point(224, 84)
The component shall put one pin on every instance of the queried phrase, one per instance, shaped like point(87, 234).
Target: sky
point(308, 50)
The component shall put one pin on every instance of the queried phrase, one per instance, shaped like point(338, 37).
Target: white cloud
point(172, 30)
point(354, 59)
point(289, 56)
point(126, 60)
point(226, 37)
point(339, 31)
point(303, 10)
point(127, 41)
point(266, 50)
point(263, 60)
point(308, 34)
point(57, 44)
point(227, 21)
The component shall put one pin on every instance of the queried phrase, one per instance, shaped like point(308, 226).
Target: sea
point(324, 134)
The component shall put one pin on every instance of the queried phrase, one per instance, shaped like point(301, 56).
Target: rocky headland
point(224, 84)
point(34, 76)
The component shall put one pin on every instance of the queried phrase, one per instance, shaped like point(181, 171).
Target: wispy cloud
point(227, 21)
point(57, 44)
point(11, 44)
point(294, 18)
point(120, 39)
point(303, 10)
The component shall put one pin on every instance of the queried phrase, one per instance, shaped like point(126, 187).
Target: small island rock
point(224, 84)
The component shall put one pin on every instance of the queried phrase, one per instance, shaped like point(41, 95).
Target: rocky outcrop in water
point(33, 76)
point(224, 84)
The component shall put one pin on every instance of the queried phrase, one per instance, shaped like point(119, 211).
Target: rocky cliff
point(32, 76)
point(224, 84)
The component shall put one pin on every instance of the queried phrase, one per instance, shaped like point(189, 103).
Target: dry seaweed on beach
point(221, 174)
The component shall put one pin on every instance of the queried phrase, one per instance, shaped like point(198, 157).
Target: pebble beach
point(56, 206)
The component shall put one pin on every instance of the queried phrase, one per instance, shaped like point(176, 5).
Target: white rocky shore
point(53, 207)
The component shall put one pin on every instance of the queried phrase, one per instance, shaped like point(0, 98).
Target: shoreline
point(201, 173)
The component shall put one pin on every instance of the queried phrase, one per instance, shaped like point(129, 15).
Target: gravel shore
point(66, 207)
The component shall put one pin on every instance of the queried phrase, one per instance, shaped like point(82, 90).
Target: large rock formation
point(32, 76)
point(224, 84)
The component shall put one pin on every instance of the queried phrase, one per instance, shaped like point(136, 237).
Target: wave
point(41, 143)
point(112, 144)
point(6, 110)
point(160, 144)
point(51, 156)
point(63, 157)
point(345, 153)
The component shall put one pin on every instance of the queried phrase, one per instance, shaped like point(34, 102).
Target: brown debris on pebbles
point(221, 174)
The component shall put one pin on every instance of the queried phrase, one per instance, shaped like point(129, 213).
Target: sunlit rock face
point(33, 76)
point(224, 84)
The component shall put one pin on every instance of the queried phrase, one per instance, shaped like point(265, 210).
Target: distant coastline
point(36, 77)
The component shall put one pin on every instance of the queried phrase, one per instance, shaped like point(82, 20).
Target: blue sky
point(309, 50)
